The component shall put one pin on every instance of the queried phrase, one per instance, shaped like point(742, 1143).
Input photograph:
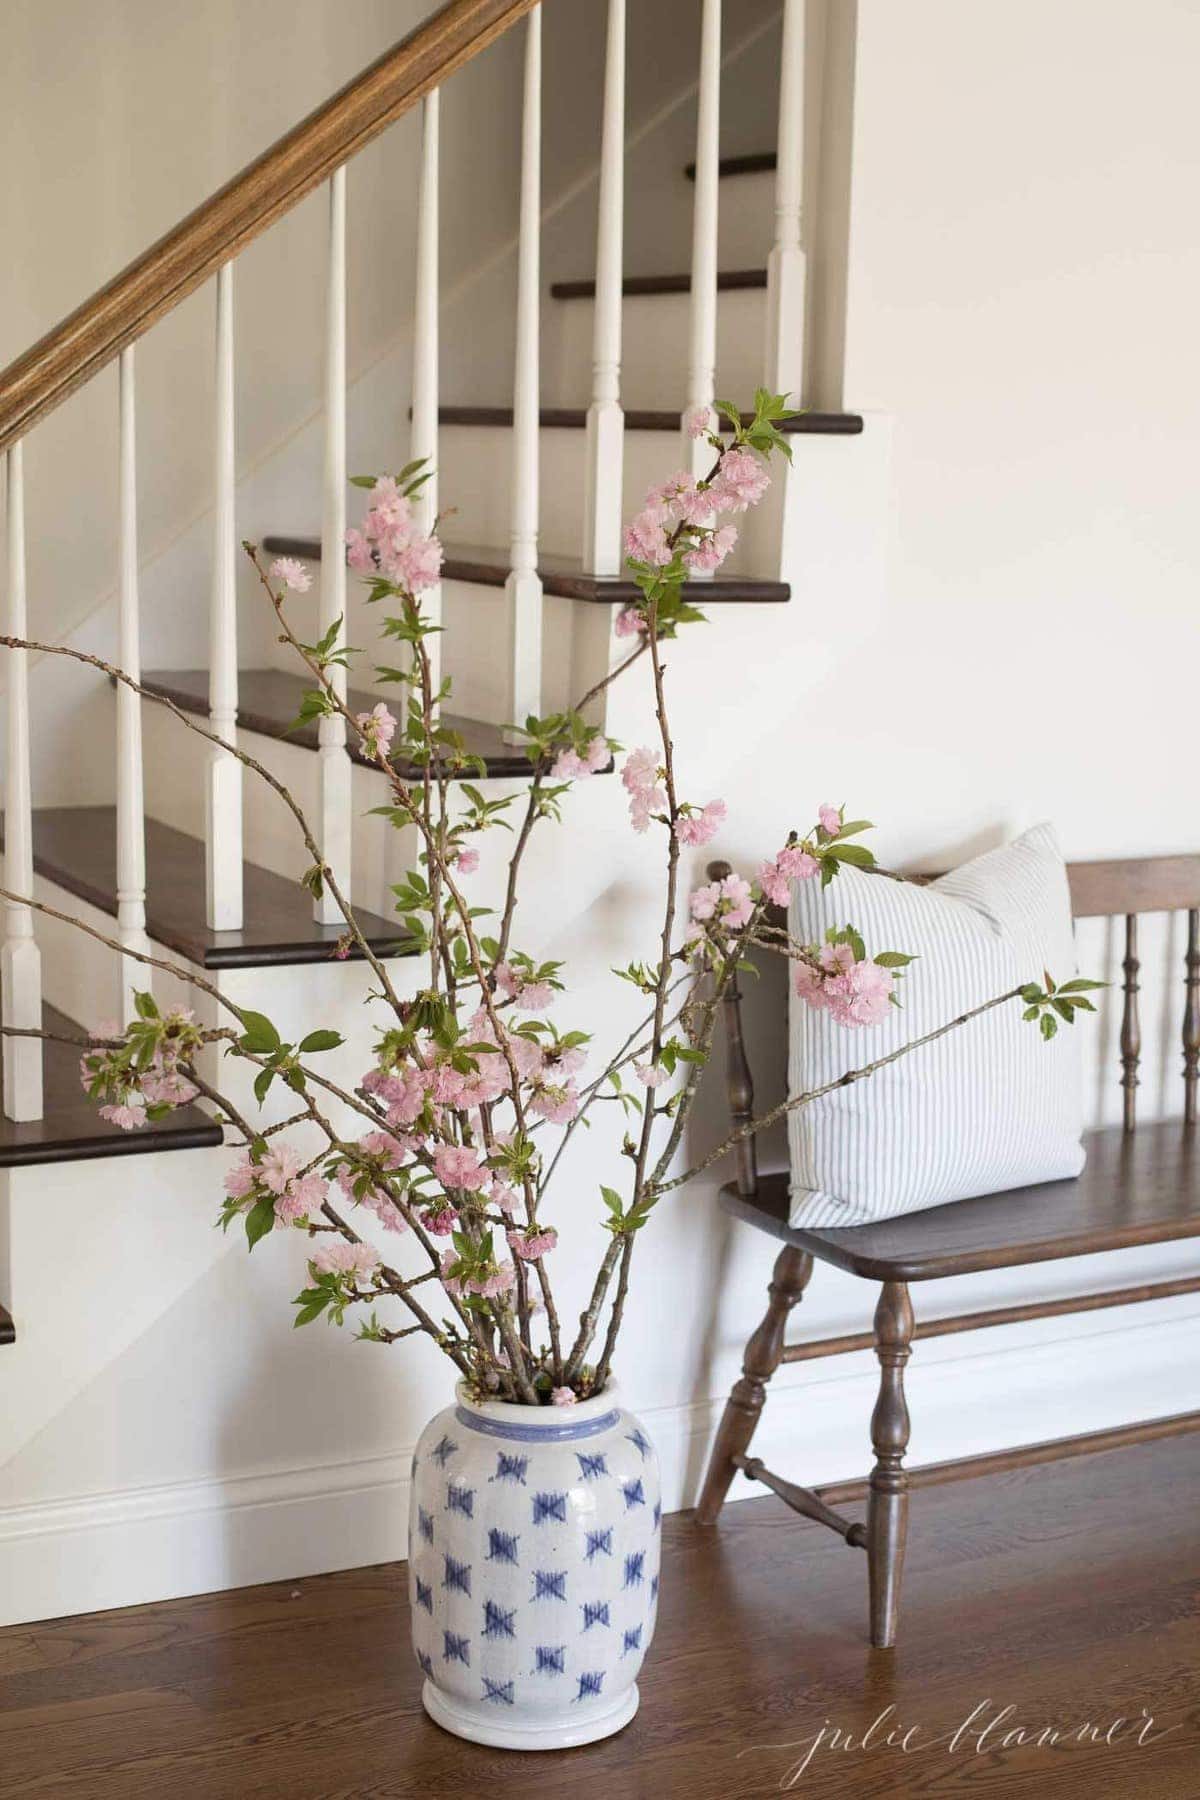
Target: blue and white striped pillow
point(991, 1105)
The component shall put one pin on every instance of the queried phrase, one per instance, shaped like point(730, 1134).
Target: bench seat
point(1136, 1188)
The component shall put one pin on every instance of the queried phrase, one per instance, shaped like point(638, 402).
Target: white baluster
point(424, 439)
point(605, 420)
point(131, 823)
point(523, 590)
point(223, 834)
point(335, 799)
point(20, 958)
point(702, 359)
point(786, 266)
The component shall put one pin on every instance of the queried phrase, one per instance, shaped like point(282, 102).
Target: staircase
point(175, 851)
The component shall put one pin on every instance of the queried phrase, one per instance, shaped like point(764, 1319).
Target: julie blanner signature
point(987, 1729)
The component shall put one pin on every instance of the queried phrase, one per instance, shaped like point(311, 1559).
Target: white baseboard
point(123, 1548)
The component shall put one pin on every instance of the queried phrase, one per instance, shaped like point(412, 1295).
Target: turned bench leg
point(887, 1501)
point(763, 1355)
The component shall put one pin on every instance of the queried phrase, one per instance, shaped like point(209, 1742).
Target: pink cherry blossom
point(696, 421)
point(563, 1396)
point(498, 1282)
point(378, 728)
point(646, 539)
point(701, 827)
point(569, 765)
point(240, 1180)
point(631, 622)
point(458, 1166)
point(774, 883)
point(505, 1197)
point(466, 862)
point(650, 1075)
point(797, 863)
point(556, 1102)
point(741, 481)
point(831, 818)
point(279, 1166)
point(683, 501)
point(706, 557)
point(291, 573)
point(339, 1258)
point(359, 554)
point(730, 902)
point(128, 1116)
point(442, 1222)
point(640, 778)
point(530, 1245)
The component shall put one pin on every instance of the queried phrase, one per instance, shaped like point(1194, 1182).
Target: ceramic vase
point(533, 1569)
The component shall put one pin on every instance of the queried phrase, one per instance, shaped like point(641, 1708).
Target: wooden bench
point(1138, 1187)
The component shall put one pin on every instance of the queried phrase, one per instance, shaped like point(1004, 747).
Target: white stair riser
point(654, 349)
point(474, 464)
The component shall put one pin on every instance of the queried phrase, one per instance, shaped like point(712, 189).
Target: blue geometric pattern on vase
point(633, 1640)
point(551, 1659)
point(424, 1594)
point(498, 1690)
point(653, 1588)
point(591, 1466)
point(632, 1491)
point(549, 1506)
point(497, 1622)
point(595, 1612)
point(590, 1685)
point(444, 1450)
point(510, 1468)
point(502, 1545)
point(457, 1576)
point(425, 1524)
point(597, 1541)
point(426, 1662)
point(657, 1514)
point(550, 1584)
point(460, 1499)
point(634, 1566)
point(540, 1434)
point(456, 1649)
point(638, 1437)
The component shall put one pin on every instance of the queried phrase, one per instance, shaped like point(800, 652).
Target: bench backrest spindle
point(1191, 1018)
point(1131, 1029)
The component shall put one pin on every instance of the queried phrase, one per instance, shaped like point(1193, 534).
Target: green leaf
point(320, 1040)
point(856, 854)
point(262, 1083)
point(1049, 1026)
point(893, 959)
point(854, 827)
point(260, 1037)
point(260, 1219)
point(1081, 985)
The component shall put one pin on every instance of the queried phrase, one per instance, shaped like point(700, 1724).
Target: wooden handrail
point(236, 214)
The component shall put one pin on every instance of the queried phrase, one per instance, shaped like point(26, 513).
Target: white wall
point(995, 625)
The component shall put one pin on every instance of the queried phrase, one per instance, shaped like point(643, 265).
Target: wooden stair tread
point(561, 575)
point(569, 418)
point(751, 162)
point(269, 699)
point(1136, 1188)
point(72, 1128)
point(728, 281)
point(76, 847)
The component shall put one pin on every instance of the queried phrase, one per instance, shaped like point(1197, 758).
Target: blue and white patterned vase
point(533, 1569)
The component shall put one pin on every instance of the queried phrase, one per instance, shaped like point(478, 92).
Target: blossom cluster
point(391, 543)
point(853, 989)
point(277, 1183)
point(140, 1075)
point(680, 515)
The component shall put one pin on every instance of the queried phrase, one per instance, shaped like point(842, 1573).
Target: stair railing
point(104, 329)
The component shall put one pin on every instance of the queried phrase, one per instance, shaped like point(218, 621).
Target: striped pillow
point(988, 1107)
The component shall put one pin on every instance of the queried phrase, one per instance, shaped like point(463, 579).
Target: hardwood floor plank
point(1067, 1592)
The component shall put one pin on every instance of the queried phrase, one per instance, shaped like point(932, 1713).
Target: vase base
point(480, 1724)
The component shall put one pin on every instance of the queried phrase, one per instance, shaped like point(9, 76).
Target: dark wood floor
point(1067, 1592)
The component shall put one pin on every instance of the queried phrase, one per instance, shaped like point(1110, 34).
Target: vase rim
point(551, 1419)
